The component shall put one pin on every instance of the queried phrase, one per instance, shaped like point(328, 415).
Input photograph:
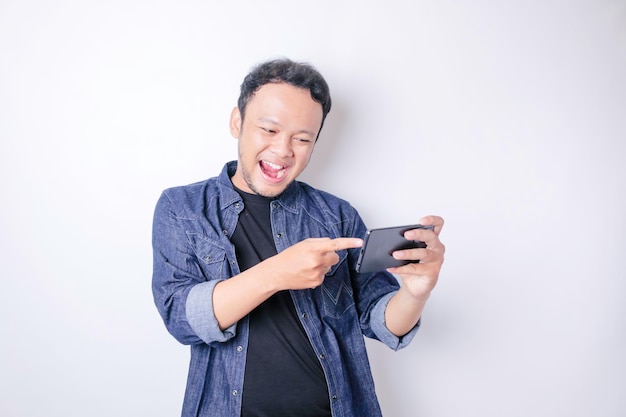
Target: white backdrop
point(505, 117)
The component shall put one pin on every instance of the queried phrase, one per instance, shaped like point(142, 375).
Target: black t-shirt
point(283, 377)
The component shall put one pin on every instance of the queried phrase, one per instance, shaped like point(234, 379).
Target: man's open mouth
point(272, 170)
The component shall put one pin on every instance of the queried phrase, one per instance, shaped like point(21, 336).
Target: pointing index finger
point(341, 243)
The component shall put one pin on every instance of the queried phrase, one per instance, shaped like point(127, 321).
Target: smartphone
point(380, 243)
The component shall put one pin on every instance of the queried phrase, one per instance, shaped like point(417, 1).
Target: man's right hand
point(305, 264)
point(298, 267)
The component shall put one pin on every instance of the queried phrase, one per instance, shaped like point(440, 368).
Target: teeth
point(277, 171)
point(274, 166)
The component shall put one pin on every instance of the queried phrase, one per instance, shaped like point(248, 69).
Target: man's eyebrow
point(268, 120)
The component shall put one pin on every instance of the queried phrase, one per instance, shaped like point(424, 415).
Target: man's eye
point(268, 130)
point(303, 140)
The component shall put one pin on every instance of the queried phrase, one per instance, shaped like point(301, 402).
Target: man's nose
point(282, 146)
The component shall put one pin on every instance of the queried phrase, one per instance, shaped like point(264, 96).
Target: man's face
point(276, 138)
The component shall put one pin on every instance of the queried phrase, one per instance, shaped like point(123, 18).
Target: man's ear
point(235, 122)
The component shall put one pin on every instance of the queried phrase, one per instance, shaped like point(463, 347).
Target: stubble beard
point(250, 183)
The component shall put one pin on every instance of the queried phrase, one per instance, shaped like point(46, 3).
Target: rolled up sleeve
point(183, 294)
point(201, 316)
point(379, 328)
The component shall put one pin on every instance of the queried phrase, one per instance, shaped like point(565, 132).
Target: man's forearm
point(234, 298)
point(404, 311)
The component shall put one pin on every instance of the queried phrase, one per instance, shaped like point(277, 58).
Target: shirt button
point(239, 348)
point(322, 356)
point(225, 231)
point(279, 235)
point(304, 315)
point(334, 397)
point(234, 392)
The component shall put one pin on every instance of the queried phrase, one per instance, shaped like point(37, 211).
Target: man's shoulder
point(316, 193)
point(199, 189)
point(191, 200)
point(190, 191)
point(329, 203)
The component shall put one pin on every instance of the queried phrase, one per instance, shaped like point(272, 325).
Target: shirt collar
point(288, 199)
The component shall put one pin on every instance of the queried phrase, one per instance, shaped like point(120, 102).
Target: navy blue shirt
point(192, 253)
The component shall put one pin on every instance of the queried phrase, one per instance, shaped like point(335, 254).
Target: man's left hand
point(420, 278)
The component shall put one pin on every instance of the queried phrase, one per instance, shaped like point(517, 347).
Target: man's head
point(297, 74)
point(279, 115)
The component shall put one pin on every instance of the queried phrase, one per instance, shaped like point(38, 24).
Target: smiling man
point(276, 138)
point(256, 270)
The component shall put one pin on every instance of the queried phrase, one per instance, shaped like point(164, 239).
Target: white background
point(508, 118)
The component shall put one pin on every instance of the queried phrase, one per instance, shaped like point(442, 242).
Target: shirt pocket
point(211, 255)
point(337, 293)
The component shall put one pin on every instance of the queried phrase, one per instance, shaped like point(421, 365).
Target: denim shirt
point(192, 253)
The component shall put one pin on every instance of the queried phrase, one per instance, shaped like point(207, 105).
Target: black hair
point(297, 74)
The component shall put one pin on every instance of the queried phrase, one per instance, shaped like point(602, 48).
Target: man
point(256, 270)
